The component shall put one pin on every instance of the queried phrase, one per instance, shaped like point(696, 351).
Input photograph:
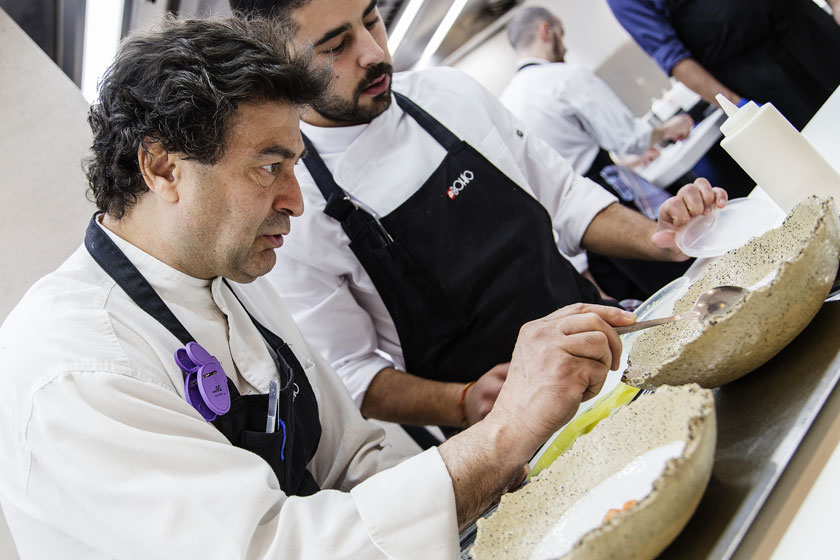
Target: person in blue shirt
point(778, 51)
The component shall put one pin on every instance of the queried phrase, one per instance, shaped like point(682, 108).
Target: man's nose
point(371, 53)
point(290, 198)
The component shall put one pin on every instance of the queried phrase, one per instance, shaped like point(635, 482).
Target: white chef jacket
point(382, 164)
point(103, 458)
point(574, 111)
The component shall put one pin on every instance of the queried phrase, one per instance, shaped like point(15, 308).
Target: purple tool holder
point(205, 385)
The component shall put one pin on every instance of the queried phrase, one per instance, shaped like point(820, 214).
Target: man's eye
point(338, 48)
point(273, 168)
point(372, 23)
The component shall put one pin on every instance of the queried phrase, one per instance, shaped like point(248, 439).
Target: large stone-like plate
point(524, 517)
point(790, 271)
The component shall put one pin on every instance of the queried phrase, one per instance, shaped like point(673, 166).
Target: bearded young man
point(433, 225)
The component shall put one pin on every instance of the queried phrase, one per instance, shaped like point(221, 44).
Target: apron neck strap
point(108, 256)
point(339, 205)
point(269, 336)
point(436, 130)
point(288, 362)
point(113, 261)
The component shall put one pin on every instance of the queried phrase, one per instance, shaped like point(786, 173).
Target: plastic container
point(727, 228)
point(775, 154)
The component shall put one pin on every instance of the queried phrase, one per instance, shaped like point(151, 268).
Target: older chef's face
point(235, 212)
point(349, 36)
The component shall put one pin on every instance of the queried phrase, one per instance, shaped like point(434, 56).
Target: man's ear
point(544, 31)
point(160, 170)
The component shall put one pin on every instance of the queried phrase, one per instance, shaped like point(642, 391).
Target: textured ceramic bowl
point(671, 414)
point(789, 270)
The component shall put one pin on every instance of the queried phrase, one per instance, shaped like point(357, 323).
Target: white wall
point(594, 39)
point(44, 137)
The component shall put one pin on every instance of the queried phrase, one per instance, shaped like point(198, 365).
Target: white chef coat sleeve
point(332, 319)
point(401, 533)
point(603, 115)
point(133, 471)
point(572, 201)
point(351, 448)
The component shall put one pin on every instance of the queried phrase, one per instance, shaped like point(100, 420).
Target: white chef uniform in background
point(574, 111)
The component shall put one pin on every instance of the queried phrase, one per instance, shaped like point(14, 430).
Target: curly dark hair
point(180, 85)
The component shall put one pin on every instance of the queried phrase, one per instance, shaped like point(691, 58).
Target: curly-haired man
point(158, 402)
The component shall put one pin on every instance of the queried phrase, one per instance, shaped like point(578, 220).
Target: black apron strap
point(339, 205)
point(108, 256)
point(288, 451)
point(359, 225)
point(436, 130)
point(287, 360)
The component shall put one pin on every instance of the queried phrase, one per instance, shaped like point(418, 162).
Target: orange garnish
point(610, 514)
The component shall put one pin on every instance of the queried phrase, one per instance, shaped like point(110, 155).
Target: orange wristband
point(462, 406)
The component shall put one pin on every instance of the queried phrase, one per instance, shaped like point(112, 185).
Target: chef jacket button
point(519, 133)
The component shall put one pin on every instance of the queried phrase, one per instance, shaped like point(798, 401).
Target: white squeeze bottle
point(775, 154)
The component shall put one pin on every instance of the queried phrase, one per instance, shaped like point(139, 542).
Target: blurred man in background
point(578, 115)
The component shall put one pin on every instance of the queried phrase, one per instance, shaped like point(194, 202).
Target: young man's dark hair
point(185, 98)
point(266, 8)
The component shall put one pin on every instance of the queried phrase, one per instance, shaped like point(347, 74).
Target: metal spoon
point(710, 303)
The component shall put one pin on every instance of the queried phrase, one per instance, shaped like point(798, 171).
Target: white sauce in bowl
point(633, 482)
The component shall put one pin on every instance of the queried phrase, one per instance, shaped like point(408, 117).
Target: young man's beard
point(348, 111)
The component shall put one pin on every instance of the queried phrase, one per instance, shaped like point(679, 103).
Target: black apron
point(287, 451)
point(778, 51)
point(462, 264)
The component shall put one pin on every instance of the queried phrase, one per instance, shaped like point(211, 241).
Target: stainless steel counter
point(762, 418)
